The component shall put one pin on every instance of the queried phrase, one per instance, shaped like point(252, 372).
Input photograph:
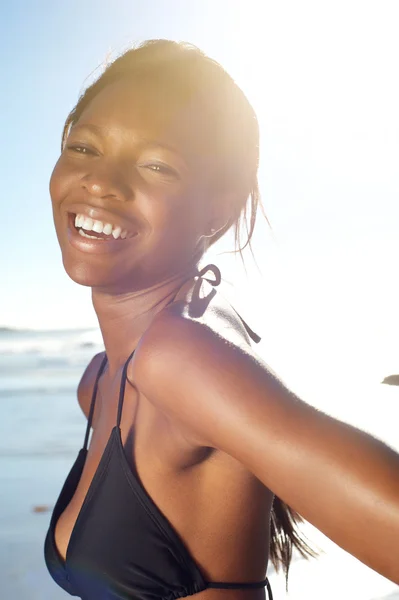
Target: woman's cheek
point(169, 218)
point(59, 180)
point(53, 181)
point(65, 178)
point(158, 207)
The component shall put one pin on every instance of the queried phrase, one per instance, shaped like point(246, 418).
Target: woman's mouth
point(95, 229)
point(90, 235)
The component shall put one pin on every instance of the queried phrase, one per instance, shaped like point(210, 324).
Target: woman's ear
point(225, 206)
point(228, 206)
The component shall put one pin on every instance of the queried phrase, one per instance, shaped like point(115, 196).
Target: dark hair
point(189, 71)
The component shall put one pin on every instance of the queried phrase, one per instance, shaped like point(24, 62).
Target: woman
point(192, 434)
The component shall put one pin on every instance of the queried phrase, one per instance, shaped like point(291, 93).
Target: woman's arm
point(342, 480)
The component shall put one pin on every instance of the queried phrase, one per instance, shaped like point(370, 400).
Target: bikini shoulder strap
point(122, 390)
point(215, 282)
point(93, 402)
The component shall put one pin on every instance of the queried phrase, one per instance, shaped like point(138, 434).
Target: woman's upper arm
point(86, 383)
point(342, 480)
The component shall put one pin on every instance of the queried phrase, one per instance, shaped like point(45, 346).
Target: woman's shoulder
point(200, 308)
point(195, 345)
point(87, 381)
point(199, 319)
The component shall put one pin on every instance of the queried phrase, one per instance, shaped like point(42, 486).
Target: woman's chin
point(90, 275)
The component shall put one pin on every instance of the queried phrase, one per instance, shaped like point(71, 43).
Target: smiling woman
point(197, 449)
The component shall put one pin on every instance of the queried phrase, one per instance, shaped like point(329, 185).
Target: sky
point(322, 77)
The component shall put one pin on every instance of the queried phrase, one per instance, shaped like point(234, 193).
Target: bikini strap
point(215, 282)
point(254, 336)
point(242, 586)
point(122, 390)
point(215, 270)
point(93, 402)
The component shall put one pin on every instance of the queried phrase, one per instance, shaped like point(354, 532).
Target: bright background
point(323, 79)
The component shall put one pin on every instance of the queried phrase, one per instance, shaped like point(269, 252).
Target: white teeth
point(92, 237)
point(116, 232)
point(79, 220)
point(97, 227)
point(88, 224)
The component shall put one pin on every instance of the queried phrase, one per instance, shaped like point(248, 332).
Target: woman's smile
point(97, 231)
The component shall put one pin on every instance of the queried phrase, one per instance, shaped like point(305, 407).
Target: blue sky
point(322, 78)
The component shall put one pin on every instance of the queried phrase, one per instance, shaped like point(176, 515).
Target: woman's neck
point(123, 318)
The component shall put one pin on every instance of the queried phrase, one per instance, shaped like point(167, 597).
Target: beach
point(42, 429)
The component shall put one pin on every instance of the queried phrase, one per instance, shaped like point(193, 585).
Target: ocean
point(42, 429)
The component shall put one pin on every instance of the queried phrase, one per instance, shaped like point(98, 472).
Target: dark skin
point(211, 440)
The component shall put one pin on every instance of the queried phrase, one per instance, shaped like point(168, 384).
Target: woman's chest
point(148, 471)
point(148, 448)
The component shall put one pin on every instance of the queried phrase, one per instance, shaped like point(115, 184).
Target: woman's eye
point(79, 149)
point(162, 169)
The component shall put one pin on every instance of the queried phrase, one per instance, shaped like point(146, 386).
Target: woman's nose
point(106, 183)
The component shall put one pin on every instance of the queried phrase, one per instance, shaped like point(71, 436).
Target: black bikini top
point(122, 546)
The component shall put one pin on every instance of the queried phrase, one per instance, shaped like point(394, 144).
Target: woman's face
point(141, 162)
